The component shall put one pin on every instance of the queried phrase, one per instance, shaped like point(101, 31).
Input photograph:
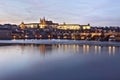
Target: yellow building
point(22, 25)
point(69, 27)
point(45, 24)
point(86, 27)
point(73, 27)
point(30, 25)
point(42, 24)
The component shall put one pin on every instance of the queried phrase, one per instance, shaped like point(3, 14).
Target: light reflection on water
point(16, 59)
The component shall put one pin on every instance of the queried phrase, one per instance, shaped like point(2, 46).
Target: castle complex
point(45, 24)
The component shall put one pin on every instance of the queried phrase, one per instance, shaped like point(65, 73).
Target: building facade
point(73, 27)
point(42, 24)
point(69, 27)
point(46, 23)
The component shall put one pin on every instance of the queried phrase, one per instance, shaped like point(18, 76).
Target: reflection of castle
point(42, 49)
point(45, 23)
point(45, 48)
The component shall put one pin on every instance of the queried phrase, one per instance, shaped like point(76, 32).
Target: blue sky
point(95, 12)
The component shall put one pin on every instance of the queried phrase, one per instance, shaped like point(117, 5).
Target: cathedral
point(42, 24)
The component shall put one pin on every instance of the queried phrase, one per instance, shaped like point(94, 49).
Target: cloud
point(102, 12)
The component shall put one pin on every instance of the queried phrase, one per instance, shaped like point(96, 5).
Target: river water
point(59, 62)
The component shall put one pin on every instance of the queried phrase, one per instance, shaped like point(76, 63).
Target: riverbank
point(54, 41)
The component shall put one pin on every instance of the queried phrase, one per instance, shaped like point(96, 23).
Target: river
point(59, 62)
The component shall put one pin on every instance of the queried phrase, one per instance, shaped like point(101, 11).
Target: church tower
point(43, 22)
point(22, 25)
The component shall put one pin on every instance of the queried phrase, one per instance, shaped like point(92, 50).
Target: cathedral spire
point(44, 18)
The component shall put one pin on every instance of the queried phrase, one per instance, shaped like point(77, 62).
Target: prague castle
point(45, 24)
point(65, 26)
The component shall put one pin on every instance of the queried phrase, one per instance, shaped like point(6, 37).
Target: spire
point(64, 23)
point(88, 24)
point(44, 18)
point(22, 22)
point(40, 19)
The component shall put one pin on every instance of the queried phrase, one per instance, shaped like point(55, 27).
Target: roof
point(32, 23)
point(84, 25)
point(69, 25)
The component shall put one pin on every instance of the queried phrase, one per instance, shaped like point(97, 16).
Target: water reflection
point(111, 50)
point(46, 61)
point(81, 49)
point(97, 49)
point(46, 48)
point(86, 49)
point(42, 49)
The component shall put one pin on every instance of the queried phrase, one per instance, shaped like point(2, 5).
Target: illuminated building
point(22, 25)
point(42, 24)
point(73, 27)
point(30, 25)
point(86, 27)
point(69, 27)
point(45, 24)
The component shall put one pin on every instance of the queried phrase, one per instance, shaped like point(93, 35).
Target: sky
point(95, 12)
